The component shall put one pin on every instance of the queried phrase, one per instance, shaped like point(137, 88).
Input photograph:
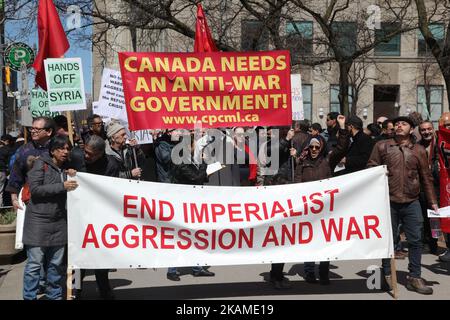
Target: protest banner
point(145, 224)
point(218, 89)
point(39, 104)
point(65, 85)
point(297, 97)
point(111, 102)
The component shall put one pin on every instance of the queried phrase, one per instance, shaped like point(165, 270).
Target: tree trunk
point(344, 69)
point(428, 99)
point(133, 33)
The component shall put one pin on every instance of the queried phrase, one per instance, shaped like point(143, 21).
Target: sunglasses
point(314, 147)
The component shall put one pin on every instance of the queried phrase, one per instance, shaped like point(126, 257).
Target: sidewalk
point(248, 282)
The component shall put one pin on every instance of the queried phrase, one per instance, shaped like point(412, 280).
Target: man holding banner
point(407, 166)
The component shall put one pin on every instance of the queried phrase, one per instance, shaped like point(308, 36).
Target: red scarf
point(252, 166)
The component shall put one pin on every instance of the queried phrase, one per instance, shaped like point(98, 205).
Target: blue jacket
point(20, 168)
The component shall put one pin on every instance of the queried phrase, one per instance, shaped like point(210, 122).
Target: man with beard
point(408, 172)
point(428, 141)
point(331, 131)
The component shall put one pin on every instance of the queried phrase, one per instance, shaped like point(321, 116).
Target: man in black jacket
point(97, 162)
point(6, 151)
point(360, 149)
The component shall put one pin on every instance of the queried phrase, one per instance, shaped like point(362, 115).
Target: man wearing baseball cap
point(407, 166)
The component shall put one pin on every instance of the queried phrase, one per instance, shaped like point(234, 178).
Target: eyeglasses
point(37, 130)
point(314, 147)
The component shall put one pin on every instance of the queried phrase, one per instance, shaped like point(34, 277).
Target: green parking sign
point(18, 52)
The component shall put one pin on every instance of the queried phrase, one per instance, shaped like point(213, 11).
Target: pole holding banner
point(394, 278)
point(69, 126)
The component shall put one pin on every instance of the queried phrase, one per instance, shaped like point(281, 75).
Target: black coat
point(46, 214)
point(105, 166)
point(359, 153)
point(191, 174)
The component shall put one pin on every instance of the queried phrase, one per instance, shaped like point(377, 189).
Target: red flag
point(203, 40)
point(52, 39)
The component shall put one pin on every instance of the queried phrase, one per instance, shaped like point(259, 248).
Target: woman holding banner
point(45, 226)
point(314, 164)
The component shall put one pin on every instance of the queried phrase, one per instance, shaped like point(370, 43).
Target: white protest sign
point(95, 111)
point(442, 213)
point(142, 136)
point(158, 225)
point(65, 84)
point(111, 102)
point(297, 97)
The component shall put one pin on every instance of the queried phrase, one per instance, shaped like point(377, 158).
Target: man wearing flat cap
point(408, 170)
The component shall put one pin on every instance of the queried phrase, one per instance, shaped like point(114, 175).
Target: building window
point(254, 36)
point(438, 31)
point(345, 33)
point(436, 102)
point(307, 101)
point(335, 105)
point(299, 35)
point(391, 48)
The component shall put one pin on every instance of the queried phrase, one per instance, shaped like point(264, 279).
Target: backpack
point(26, 194)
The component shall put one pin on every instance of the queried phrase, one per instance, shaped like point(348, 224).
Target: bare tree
point(428, 14)
point(344, 36)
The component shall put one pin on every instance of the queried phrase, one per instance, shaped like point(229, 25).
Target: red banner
point(444, 173)
point(218, 89)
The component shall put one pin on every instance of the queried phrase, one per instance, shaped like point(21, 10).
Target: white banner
point(20, 220)
point(297, 97)
point(117, 223)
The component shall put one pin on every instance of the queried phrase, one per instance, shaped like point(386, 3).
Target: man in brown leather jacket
point(408, 169)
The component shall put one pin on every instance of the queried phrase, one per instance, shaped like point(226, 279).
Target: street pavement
point(348, 282)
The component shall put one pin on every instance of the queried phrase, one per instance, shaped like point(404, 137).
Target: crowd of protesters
point(305, 152)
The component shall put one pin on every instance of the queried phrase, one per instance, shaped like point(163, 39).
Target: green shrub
point(7, 217)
